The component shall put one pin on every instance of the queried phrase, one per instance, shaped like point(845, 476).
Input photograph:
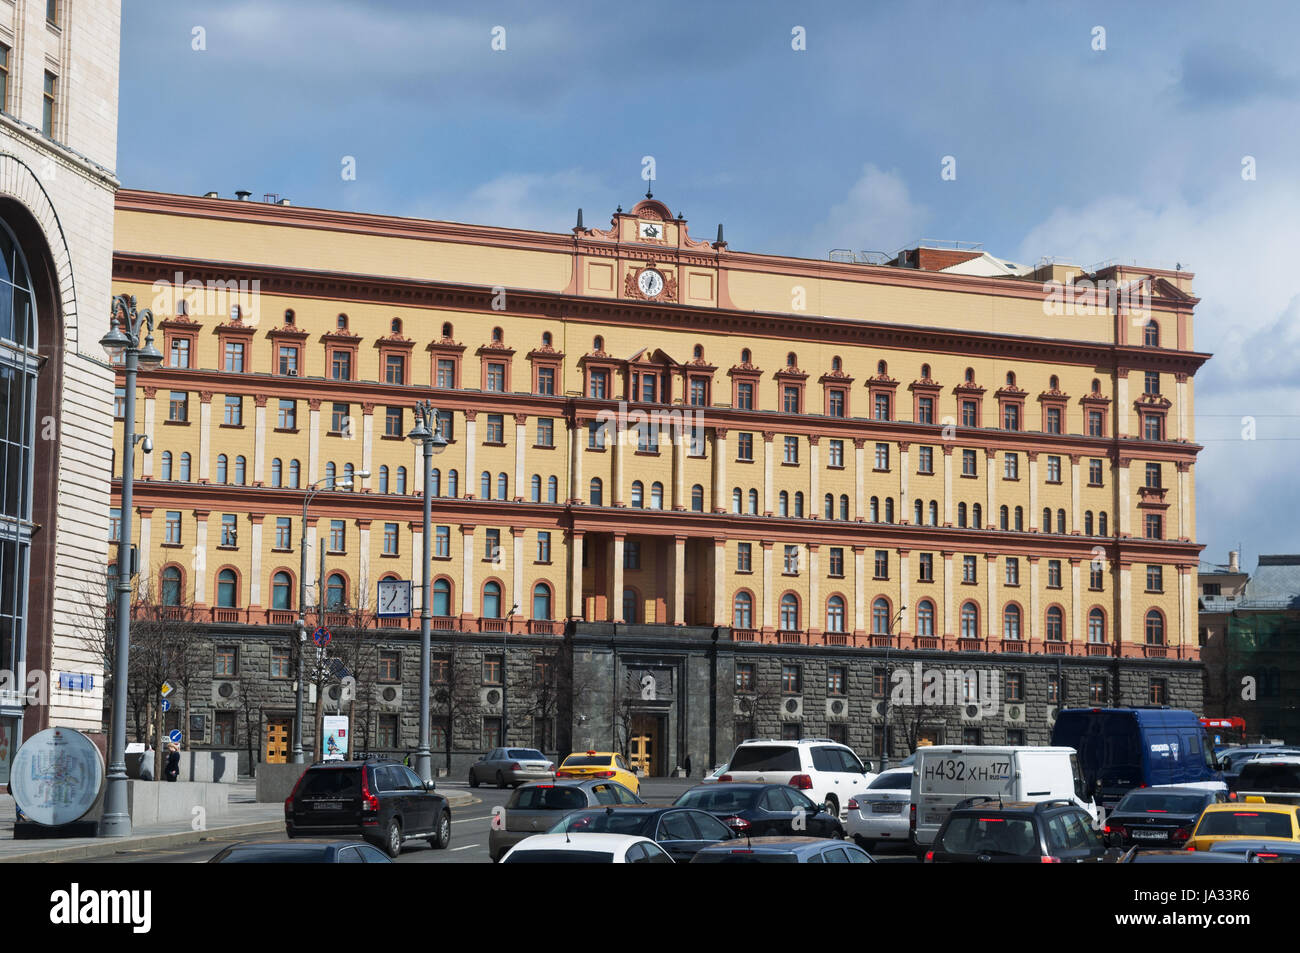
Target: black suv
point(988, 830)
point(382, 801)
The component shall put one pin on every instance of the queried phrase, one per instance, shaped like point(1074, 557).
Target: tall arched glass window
point(880, 617)
point(399, 482)
point(1055, 625)
point(844, 506)
point(184, 475)
point(331, 475)
point(875, 509)
point(1020, 519)
point(835, 614)
point(349, 475)
point(790, 612)
point(783, 504)
point(541, 601)
point(889, 509)
point(277, 472)
point(383, 479)
point(441, 602)
point(1003, 520)
point(657, 495)
point(1060, 522)
point(503, 486)
point(596, 492)
point(925, 618)
point(976, 516)
point(552, 489)
point(1087, 523)
point(1101, 525)
point(535, 488)
point(336, 591)
point(165, 468)
point(737, 496)
point(281, 591)
point(918, 512)
point(961, 515)
point(742, 611)
point(171, 586)
point(1011, 622)
point(638, 493)
point(1096, 626)
point(970, 621)
point(828, 507)
point(934, 512)
point(1155, 628)
point(1047, 519)
point(485, 486)
point(753, 502)
point(435, 482)
point(241, 471)
point(222, 468)
point(227, 589)
point(798, 503)
point(697, 498)
point(295, 472)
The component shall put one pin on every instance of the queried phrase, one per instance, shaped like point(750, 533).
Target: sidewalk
point(246, 818)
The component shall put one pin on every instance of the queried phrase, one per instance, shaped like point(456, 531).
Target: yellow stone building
point(679, 447)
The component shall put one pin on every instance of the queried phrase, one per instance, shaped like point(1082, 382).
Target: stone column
point(1033, 493)
point(467, 587)
point(679, 580)
point(947, 485)
point(576, 608)
point(519, 597)
point(616, 574)
point(576, 489)
point(146, 531)
point(205, 435)
point(991, 611)
point(721, 606)
point(313, 558)
point(471, 448)
point(1077, 632)
point(616, 464)
point(313, 440)
point(1186, 514)
point(813, 622)
point(681, 441)
point(859, 592)
point(201, 563)
point(1031, 623)
point(1122, 406)
point(904, 583)
point(259, 440)
point(1125, 611)
point(991, 508)
point(363, 566)
point(860, 479)
point(1125, 514)
point(720, 492)
point(1074, 494)
point(417, 557)
point(255, 574)
point(521, 444)
point(150, 412)
point(814, 477)
point(946, 622)
point(767, 586)
point(768, 437)
point(903, 500)
point(368, 446)
point(1184, 413)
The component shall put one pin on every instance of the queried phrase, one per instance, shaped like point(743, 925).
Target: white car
point(881, 812)
point(826, 771)
point(586, 849)
point(712, 776)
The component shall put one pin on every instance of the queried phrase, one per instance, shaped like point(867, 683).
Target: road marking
point(466, 847)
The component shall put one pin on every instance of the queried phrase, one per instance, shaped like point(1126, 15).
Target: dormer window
point(791, 360)
point(1054, 382)
point(598, 343)
point(396, 325)
point(546, 339)
point(837, 364)
point(699, 352)
point(1011, 378)
point(446, 329)
point(498, 336)
point(342, 322)
point(289, 317)
point(744, 355)
point(925, 372)
point(970, 375)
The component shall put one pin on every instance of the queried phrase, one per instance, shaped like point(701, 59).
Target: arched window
point(541, 601)
point(1087, 523)
point(289, 318)
point(875, 509)
point(1011, 622)
point(546, 339)
point(1020, 519)
point(342, 322)
point(697, 498)
point(828, 506)
point(535, 488)
point(1003, 518)
point(171, 586)
point(961, 515)
point(970, 375)
point(503, 486)
point(165, 468)
point(1155, 627)
point(227, 589)
point(598, 343)
point(498, 336)
point(918, 512)
point(836, 364)
point(798, 503)
point(753, 502)
point(485, 486)
point(791, 360)
point(1096, 385)
point(349, 476)
point(934, 512)
point(552, 489)
point(435, 482)
point(880, 616)
point(844, 506)
point(491, 600)
point(330, 475)
point(1096, 626)
point(295, 473)
point(1055, 625)
point(889, 509)
point(976, 516)
point(783, 503)
point(395, 325)
point(595, 491)
point(446, 329)
point(736, 499)
point(1011, 378)
point(882, 368)
point(1101, 524)
point(440, 603)
point(336, 591)
point(383, 479)
point(399, 482)
point(742, 611)
point(1054, 382)
point(925, 618)
point(638, 495)
point(222, 467)
point(277, 472)
point(745, 355)
point(630, 614)
point(1151, 334)
point(970, 621)
point(281, 591)
point(699, 352)
point(835, 614)
point(1060, 522)
point(790, 612)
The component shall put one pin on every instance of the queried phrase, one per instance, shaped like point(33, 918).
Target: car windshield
point(1262, 776)
point(1245, 824)
point(974, 834)
point(331, 782)
point(765, 758)
point(901, 781)
point(525, 754)
point(1161, 804)
point(548, 798)
point(587, 761)
point(601, 822)
point(559, 857)
point(719, 798)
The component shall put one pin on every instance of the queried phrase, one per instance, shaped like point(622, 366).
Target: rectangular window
point(835, 402)
point(925, 567)
point(649, 388)
point(745, 396)
point(1153, 526)
point(446, 425)
point(1094, 472)
point(1153, 476)
point(234, 357)
point(1053, 419)
point(340, 422)
point(178, 406)
point(1013, 571)
point(545, 432)
point(791, 445)
point(969, 413)
point(1054, 689)
point(1096, 423)
point(1151, 383)
point(390, 666)
point(879, 682)
point(442, 542)
point(744, 676)
point(1053, 469)
point(882, 456)
point(837, 562)
point(390, 539)
point(744, 557)
point(791, 679)
point(968, 463)
point(388, 731)
point(1096, 577)
point(837, 680)
point(1152, 428)
point(338, 536)
point(598, 384)
point(968, 573)
point(1158, 692)
point(881, 564)
point(492, 544)
point(925, 460)
point(543, 546)
point(173, 528)
point(699, 392)
point(4, 82)
point(1053, 574)
point(745, 446)
point(341, 365)
point(496, 377)
point(393, 422)
point(835, 454)
point(287, 416)
point(791, 564)
point(446, 373)
point(496, 429)
point(52, 12)
point(229, 529)
point(790, 399)
point(1011, 417)
point(491, 670)
point(48, 115)
point(223, 729)
point(283, 532)
point(234, 411)
point(1014, 687)
point(1097, 691)
point(632, 555)
point(925, 410)
point(119, 402)
point(1155, 579)
point(115, 525)
point(647, 438)
point(880, 407)
point(180, 353)
point(596, 434)
point(225, 663)
point(288, 361)
point(394, 369)
point(1015, 736)
point(1011, 467)
point(546, 381)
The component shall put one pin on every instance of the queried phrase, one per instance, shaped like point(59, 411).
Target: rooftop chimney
point(1234, 561)
point(210, 195)
point(242, 195)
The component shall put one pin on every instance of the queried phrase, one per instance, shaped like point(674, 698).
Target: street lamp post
point(124, 336)
point(505, 674)
point(429, 436)
point(889, 632)
point(301, 625)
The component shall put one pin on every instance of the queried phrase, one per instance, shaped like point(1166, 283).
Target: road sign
point(166, 689)
point(321, 636)
point(166, 704)
point(174, 736)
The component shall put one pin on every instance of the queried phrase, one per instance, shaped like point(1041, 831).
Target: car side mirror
point(431, 785)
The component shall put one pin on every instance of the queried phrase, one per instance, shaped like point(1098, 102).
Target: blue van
point(1125, 748)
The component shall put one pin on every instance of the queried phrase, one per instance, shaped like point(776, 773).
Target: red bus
point(1226, 731)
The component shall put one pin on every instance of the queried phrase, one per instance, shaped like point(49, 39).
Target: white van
point(943, 776)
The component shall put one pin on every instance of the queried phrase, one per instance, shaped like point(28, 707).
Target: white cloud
point(877, 214)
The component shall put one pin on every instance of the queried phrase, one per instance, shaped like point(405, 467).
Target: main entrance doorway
point(277, 740)
point(645, 747)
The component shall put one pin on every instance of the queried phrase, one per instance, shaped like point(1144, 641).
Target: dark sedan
point(783, 850)
point(338, 852)
point(534, 808)
point(1158, 817)
point(1163, 856)
point(680, 831)
point(758, 810)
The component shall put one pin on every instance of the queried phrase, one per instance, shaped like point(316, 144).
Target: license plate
point(886, 807)
point(327, 806)
point(1150, 835)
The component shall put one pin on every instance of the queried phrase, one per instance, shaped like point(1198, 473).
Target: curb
point(109, 846)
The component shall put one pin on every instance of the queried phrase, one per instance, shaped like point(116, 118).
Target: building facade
point(738, 491)
point(58, 147)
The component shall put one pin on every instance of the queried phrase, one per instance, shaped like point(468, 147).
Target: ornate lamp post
point(124, 337)
point(427, 434)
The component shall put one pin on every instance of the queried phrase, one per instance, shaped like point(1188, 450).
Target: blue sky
point(1133, 152)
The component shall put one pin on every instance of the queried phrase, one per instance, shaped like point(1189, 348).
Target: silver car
point(879, 814)
point(512, 766)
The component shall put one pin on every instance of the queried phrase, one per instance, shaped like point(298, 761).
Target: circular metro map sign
point(56, 776)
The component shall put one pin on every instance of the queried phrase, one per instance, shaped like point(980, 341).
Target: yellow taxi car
point(1253, 819)
point(599, 764)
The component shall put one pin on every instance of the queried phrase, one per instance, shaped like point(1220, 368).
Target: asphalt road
point(469, 832)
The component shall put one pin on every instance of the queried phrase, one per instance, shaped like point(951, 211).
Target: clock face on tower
point(651, 283)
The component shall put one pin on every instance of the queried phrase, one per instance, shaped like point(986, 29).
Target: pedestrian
point(172, 769)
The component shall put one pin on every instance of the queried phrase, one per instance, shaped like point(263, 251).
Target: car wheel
point(473, 778)
point(393, 839)
point(863, 842)
point(442, 837)
point(832, 806)
point(501, 780)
